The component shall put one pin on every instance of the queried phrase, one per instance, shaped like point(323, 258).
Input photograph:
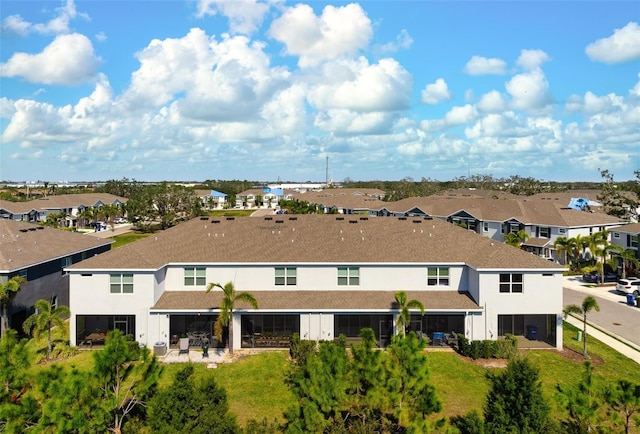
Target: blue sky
point(208, 89)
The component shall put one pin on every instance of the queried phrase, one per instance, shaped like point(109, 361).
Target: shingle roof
point(312, 300)
point(60, 201)
point(25, 244)
point(315, 239)
point(633, 228)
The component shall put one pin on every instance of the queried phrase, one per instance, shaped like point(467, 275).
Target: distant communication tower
point(326, 174)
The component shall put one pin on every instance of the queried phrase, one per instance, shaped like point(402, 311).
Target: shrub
point(300, 350)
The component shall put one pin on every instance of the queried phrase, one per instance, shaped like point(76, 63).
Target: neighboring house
point(627, 237)
point(39, 254)
point(543, 221)
point(212, 199)
point(319, 276)
point(68, 204)
point(344, 200)
point(265, 197)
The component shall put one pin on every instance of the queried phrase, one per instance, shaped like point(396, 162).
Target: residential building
point(319, 276)
point(68, 204)
point(39, 254)
point(627, 237)
point(212, 199)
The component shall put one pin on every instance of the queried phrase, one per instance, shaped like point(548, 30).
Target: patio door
point(121, 323)
point(384, 332)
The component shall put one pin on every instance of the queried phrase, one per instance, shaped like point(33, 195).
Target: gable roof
point(26, 244)
point(61, 201)
point(324, 239)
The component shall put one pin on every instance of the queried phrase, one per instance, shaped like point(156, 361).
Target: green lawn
point(129, 237)
point(256, 389)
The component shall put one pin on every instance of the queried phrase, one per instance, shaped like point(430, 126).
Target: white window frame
point(348, 276)
point(485, 226)
point(286, 276)
point(547, 232)
point(121, 283)
point(633, 241)
point(438, 276)
point(195, 276)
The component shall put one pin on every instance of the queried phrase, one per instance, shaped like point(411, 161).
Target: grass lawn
point(129, 237)
point(256, 389)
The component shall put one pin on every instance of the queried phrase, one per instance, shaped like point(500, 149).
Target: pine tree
point(515, 402)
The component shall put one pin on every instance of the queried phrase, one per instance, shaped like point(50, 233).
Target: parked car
point(630, 285)
point(120, 220)
point(594, 277)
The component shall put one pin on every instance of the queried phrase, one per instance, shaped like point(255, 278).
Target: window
point(23, 274)
point(348, 276)
point(511, 282)
point(545, 232)
point(65, 262)
point(633, 242)
point(562, 231)
point(121, 283)
point(485, 226)
point(286, 276)
point(438, 276)
point(194, 276)
point(616, 235)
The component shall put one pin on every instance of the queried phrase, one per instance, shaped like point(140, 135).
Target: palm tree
point(566, 248)
point(404, 316)
point(628, 256)
point(44, 319)
point(599, 248)
point(582, 242)
point(229, 298)
point(516, 239)
point(588, 304)
point(8, 290)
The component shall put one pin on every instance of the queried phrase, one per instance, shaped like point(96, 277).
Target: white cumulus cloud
point(532, 59)
point(479, 65)
point(68, 60)
point(56, 26)
point(529, 90)
point(339, 31)
point(622, 46)
point(436, 92)
point(245, 16)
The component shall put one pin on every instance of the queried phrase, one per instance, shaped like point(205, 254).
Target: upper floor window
point(348, 276)
point(545, 232)
point(23, 273)
point(633, 241)
point(438, 276)
point(485, 226)
point(121, 283)
point(194, 276)
point(65, 262)
point(286, 275)
point(511, 282)
point(562, 231)
point(616, 235)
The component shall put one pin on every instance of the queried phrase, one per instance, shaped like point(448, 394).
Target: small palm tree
point(566, 248)
point(229, 298)
point(588, 304)
point(8, 291)
point(404, 305)
point(45, 319)
point(516, 239)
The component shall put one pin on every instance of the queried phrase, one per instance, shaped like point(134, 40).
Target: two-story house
point(39, 254)
point(319, 276)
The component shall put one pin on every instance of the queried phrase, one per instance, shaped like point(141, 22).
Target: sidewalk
point(618, 343)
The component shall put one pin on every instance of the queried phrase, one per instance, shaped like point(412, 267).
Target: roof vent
point(353, 221)
point(279, 221)
point(417, 221)
point(204, 218)
point(428, 217)
point(293, 218)
point(339, 218)
point(24, 230)
point(231, 218)
point(402, 218)
point(364, 218)
point(40, 227)
point(268, 218)
point(215, 221)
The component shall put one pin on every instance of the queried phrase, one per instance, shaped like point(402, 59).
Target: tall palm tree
point(8, 291)
point(628, 256)
point(588, 304)
point(565, 247)
point(45, 319)
point(582, 242)
point(229, 298)
point(404, 306)
point(599, 247)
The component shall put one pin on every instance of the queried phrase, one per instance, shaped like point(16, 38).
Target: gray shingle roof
point(25, 244)
point(60, 201)
point(314, 239)
point(313, 300)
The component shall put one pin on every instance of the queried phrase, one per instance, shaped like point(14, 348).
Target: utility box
point(160, 348)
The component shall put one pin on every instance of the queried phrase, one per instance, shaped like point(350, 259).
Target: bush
point(507, 348)
point(470, 423)
point(475, 349)
point(301, 350)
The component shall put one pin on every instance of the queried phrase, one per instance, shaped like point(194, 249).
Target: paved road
point(615, 317)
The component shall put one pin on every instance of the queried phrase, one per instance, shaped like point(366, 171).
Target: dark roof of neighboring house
point(312, 300)
point(26, 244)
point(61, 201)
point(537, 242)
point(329, 239)
point(489, 209)
point(633, 228)
point(344, 198)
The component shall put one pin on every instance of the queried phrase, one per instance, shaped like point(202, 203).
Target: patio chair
point(184, 346)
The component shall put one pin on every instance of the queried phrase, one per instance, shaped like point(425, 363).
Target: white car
point(120, 220)
point(630, 285)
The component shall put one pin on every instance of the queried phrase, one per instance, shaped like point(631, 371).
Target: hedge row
point(502, 349)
